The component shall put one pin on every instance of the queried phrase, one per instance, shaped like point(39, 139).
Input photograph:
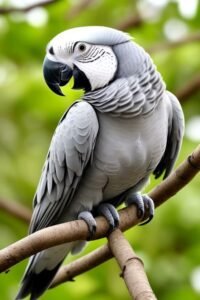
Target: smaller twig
point(130, 22)
point(195, 37)
point(131, 266)
point(15, 209)
point(82, 265)
point(177, 179)
point(79, 8)
point(8, 10)
point(189, 89)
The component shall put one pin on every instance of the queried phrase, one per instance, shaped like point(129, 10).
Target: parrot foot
point(144, 204)
point(109, 212)
point(90, 221)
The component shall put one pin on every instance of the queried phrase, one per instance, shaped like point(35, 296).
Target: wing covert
point(70, 150)
point(174, 139)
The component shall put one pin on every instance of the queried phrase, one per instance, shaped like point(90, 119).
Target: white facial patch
point(62, 52)
point(99, 64)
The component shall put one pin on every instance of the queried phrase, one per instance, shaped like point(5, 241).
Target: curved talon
point(110, 213)
point(137, 200)
point(90, 221)
point(144, 205)
point(147, 221)
point(149, 205)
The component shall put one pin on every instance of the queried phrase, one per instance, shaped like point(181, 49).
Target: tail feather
point(41, 270)
point(35, 284)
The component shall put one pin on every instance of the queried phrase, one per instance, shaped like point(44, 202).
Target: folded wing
point(70, 151)
point(174, 139)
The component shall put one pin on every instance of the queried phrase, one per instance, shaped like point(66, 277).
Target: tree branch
point(168, 188)
point(79, 8)
point(59, 234)
point(194, 37)
point(78, 230)
point(130, 22)
point(15, 209)
point(189, 89)
point(102, 254)
point(131, 266)
point(178, 179)
point(8, 10)
point(82, 265)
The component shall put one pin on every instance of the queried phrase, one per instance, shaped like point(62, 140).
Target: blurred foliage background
point(29, 112)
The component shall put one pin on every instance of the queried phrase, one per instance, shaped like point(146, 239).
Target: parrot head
point(86, 53)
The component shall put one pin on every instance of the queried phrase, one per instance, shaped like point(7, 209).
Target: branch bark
point(168, 188)
point(178, 178)
point(15, 209)
point(59, 234)
point(78, 230)
point(131, 266)
point(79, 8)
point(189, 89)
point(8, 10)
point(130, 22)
point(82, 265)
point(195, 37)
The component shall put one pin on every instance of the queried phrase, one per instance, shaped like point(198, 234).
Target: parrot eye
point(51, 51)
point(82, 47)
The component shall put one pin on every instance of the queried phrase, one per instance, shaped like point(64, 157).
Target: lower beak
point(56, 74)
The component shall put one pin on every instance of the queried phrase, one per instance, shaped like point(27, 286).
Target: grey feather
point(98, 35)
point(130, 96)
point(125, 129)
point(175, 136)
point(68, 155)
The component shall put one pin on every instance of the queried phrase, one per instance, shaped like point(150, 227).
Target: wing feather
point(174, 140)
point(70, 151)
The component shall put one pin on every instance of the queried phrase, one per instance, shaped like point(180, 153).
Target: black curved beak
point(56, 74)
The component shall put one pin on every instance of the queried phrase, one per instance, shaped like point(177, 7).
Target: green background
point(29, 112)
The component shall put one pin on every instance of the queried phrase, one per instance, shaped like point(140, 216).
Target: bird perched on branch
point(126, 126)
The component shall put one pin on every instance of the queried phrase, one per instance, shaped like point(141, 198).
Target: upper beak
point(56, 74)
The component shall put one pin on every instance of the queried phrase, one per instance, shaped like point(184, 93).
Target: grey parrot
point(126, 126)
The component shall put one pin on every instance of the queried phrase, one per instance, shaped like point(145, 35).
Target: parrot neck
point(131, 96)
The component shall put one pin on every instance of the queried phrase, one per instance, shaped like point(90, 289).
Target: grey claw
point(137, 200)
point(150, 207)
point(110, 213)
point(144, 205)
point(90, 221)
